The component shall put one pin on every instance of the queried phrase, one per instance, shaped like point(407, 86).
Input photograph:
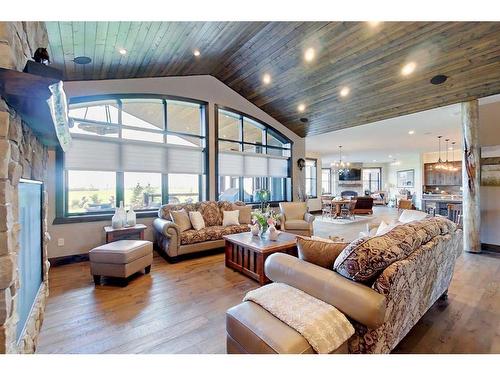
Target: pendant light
point(447, 167)
point(439, 164)
point(453, 167)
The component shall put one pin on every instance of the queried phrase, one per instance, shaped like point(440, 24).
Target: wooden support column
point(471, 176)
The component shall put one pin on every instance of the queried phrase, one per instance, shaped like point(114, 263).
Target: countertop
point(442, 198)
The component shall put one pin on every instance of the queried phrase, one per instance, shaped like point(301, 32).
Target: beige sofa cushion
point(121, 252)
point(294, 210)
point(321, 253)
point(181, 219)
point(296, 225)
point(245, 213)
point(212, 233)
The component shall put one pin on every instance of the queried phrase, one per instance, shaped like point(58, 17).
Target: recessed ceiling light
point(301, 107)
point(408, 68)
point(374, 23)
point(374, 160)
point(309, 54)
point(450, 148)
point(345, 91)
point(411, 132)
point(122, 51)
point(266, 78)
point(439, 79)
point(196, 53)
point(82, 60)
point(390, 156)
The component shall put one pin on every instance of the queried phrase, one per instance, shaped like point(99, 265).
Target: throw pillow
point(230, 218)
point(181, 218)
point(197, 220)
point(411, 215)
point(321, 253)
point(245, 213)
point(365, 258)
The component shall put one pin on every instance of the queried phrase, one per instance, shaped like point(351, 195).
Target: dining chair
point(405, 204)
point(455, 213)
point(326, 206)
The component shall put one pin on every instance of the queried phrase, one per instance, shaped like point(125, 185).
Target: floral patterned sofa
point(172, 242)
point(383, 284)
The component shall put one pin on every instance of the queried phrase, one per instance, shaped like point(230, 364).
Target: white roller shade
point(184, 160)
point(278, 167)
point(116, 155)
point(143, 158)
point(255, 166)
point(231, 164)
point(93, 155)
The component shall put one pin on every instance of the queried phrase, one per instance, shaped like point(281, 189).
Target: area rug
point(356, 220)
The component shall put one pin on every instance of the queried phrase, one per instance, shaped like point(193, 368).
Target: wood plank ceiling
point(364, 57)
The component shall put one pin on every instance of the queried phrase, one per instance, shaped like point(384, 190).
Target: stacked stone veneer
point(21, 156)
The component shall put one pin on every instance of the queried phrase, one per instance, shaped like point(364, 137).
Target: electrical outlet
point(60, 242)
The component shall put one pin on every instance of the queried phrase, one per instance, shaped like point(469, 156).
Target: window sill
point(92, 218)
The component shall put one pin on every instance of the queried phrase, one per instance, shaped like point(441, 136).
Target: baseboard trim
point(68, 259)
point(490, 248)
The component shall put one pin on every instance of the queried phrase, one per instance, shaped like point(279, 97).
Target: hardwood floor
point(179, 308)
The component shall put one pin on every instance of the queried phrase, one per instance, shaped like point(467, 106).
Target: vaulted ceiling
point(365, 57)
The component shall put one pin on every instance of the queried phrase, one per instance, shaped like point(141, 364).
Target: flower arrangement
point(265, 217)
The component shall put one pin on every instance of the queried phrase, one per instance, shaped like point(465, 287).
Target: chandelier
point(341, 166)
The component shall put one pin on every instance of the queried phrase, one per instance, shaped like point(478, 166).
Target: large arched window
point(144, 150)
point(252, 157)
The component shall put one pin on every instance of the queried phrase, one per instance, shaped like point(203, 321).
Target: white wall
point(80, 238)
point(408, 162)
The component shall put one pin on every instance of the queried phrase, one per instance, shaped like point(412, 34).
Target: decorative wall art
point(406, 178)
point(490, 166)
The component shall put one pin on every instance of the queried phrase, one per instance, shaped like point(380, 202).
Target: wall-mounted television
point(352, 174)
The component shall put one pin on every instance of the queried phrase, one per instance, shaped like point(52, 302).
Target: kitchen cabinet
point(439, 177)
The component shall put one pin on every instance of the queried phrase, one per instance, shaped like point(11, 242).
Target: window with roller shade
point(252, 156)
point(142, 150)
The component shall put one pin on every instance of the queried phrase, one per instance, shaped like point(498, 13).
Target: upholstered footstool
point(120, 259)
point(253, 330)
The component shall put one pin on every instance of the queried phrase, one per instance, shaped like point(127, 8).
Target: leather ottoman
point(253, 330)
point(120, 259)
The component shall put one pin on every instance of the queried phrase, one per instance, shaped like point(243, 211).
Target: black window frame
point(268, 129)
point(62, 214)
point(313, 179)
point(370, 180)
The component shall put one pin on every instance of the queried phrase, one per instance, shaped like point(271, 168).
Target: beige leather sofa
point(382, 310)
point(172, 243)
point(295, 218)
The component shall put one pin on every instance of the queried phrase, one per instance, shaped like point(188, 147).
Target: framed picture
point(490, 166)
point(406, 178)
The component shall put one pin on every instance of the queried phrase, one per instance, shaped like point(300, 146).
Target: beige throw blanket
point(321, 324)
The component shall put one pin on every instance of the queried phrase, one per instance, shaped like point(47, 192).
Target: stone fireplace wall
point(21, 156)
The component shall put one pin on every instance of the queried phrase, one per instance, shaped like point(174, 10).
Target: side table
point(135, 232)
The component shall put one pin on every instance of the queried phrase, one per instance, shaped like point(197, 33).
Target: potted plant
point(265, 217)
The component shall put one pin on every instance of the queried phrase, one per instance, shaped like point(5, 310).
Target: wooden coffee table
point(247, 254)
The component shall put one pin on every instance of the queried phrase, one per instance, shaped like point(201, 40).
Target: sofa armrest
point(309, 217)
point(168, 229)
point(355, 300)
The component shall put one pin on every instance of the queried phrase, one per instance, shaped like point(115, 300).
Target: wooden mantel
point(31, 96)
